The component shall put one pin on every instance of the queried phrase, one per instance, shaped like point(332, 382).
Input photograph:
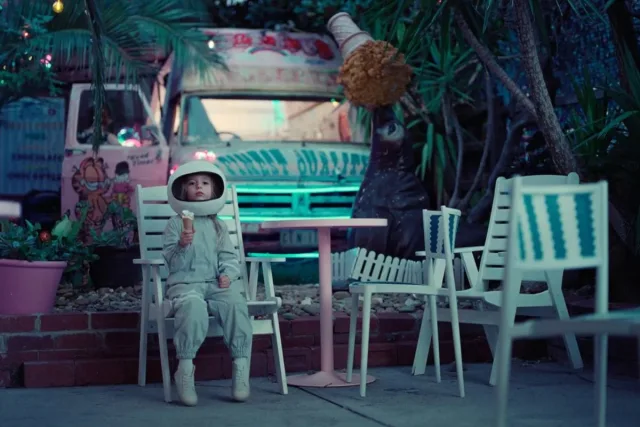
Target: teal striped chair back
point(559, 227)
point(440, 230)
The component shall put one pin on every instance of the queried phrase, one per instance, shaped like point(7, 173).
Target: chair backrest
point(560, 227)
point(440, 229)
point(371, 267)
point(493, 259)
point(154, 212)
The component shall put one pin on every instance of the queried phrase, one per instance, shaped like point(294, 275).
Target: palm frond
point(97, 70)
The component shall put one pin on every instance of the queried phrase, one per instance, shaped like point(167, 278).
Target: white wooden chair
point(440, 231)
point(557, 228)
point(491, 268)
point(153, 214)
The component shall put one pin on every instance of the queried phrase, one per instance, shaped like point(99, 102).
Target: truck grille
point(314, 205)
point(255, 207)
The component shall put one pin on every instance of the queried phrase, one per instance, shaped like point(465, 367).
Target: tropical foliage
point(31, 243)
point(130, 35)
point(471, 118)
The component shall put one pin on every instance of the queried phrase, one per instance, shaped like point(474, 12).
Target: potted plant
point(32, 262)
point(116, 249)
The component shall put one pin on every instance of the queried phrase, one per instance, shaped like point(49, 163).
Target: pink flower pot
point(29, 287)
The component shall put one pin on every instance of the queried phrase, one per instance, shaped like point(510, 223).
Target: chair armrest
point(265, 259)
point(141, 261)
point(468, 249)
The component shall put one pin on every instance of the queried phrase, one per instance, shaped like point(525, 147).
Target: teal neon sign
point(262, 218)
point(289, 190)
point(299, 162)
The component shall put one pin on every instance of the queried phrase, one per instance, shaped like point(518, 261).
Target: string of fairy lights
point(57, 7)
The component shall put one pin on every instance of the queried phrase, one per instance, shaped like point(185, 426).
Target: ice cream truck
point(274, 122)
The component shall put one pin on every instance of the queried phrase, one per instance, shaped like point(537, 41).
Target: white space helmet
point(199, 208)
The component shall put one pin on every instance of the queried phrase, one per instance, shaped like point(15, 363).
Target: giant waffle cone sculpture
point(374, 73)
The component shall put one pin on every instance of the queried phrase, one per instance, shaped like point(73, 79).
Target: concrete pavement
point(543, 395)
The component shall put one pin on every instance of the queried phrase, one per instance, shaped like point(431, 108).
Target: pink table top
point(9, 210)
point(325, 223)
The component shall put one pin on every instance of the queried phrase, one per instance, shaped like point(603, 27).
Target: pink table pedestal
point(326, 377)
point(9, 210)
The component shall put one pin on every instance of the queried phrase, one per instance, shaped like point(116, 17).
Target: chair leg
point(278, 354)
point(164, 360)
point(496, 360)
point(455, 327)
point(601, 354)
point(424, 343)
point(276, 339)
point(554, 284)
point(353, 322)
point(162, 337)
point(503, 370)
point(433, 316)
point(144, 326)
point(502, 362)
point(364, 357)
point(490, 333)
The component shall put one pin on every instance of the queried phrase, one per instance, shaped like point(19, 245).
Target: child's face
point(199, 187)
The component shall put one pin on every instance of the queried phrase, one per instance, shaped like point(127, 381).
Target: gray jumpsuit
point(192, 287)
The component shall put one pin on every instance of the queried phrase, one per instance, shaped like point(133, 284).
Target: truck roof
point(265, 61)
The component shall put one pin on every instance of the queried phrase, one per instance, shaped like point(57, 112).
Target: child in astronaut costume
point(204, 276)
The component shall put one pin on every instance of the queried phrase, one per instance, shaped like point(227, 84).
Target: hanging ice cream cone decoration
point(347, 34)
point(373, 73)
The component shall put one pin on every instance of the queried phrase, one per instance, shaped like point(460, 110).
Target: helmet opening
point(179, 187)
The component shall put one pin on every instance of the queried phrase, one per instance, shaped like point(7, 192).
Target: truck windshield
point(209, 120)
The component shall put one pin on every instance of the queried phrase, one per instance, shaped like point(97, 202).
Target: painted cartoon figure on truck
point(90, 182)
point(122, 188)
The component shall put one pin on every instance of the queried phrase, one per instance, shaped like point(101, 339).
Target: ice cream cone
point(348, 35)
point(187, 220)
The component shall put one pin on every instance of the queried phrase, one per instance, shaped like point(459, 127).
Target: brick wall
point(102, 348)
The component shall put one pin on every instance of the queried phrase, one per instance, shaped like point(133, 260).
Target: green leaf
point(400, 33)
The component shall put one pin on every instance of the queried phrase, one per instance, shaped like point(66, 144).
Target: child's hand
point(224, 282)
point(186, 238)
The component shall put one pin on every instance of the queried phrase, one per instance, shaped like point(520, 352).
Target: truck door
point(133, 152)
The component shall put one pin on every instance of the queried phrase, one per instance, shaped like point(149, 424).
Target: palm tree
point(118, 40)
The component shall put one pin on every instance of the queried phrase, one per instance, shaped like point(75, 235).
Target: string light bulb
point(58, 6)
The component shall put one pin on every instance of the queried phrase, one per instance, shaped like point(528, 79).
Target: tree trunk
point(489, 136)
point(482, 210)
point(548, 122)
point(623, 32)
point(487, 58)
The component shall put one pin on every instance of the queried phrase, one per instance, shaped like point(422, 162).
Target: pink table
point(327, 377)
point(9, 210)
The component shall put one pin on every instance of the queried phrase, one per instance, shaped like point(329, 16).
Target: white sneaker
point(185, 383)
point(240, 381)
